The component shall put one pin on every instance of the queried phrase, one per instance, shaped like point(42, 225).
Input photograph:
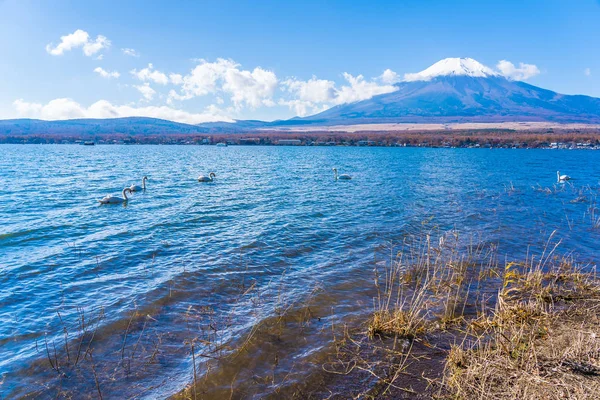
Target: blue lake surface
point(272, 214)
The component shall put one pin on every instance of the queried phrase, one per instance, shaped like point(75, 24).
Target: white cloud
point(79, 38)
point(146, 91)
point(253, 89)
point(587, 72)
point(303, 108)
point(205, 78)
point(130, 52)
point(360, 89)
point(91, 48)
point(315, 95)
point(311, 96)
point(68, 42)
point(245, 88)
point(313, 90)
point(64, 108)
point(389, 77)
point(150, 74)
point(173, 95)
point(106, 74)
point(55, 109)
point(26, 109)
point(521, 73)
point(176, 79)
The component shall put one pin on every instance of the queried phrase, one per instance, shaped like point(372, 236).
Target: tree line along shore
point(551, 139)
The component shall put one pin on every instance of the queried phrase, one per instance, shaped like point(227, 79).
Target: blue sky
point(271, 59)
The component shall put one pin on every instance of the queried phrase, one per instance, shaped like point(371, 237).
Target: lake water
point(209, 260)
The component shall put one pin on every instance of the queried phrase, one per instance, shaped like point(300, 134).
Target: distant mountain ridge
point(453, 90)
point(83, 127)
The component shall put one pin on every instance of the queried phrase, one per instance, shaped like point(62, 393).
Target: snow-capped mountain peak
point(452, 66)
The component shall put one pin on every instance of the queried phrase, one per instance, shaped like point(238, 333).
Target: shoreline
point(439, 313)
point(527, 141)
point(435, 135)
point(429, 337)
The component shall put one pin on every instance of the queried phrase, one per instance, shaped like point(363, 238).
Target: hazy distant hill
point(79, 127)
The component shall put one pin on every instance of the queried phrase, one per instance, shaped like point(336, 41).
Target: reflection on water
point(273, 232)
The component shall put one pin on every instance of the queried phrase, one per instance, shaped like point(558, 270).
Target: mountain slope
point(464, 98)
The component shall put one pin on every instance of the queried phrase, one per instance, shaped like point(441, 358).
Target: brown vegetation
point(541, 341)
point(425, 138)
point(538, 337)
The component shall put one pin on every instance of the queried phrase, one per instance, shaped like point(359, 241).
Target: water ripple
point(271, 210)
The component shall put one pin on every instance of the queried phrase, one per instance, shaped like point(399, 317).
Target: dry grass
point(540, 342)
point(537, 337)
point(427, 284)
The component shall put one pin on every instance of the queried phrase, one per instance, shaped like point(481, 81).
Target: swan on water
point(562, 178)
point(208, 178)
point(136, 188)
point(115, 199)
point(342, 176)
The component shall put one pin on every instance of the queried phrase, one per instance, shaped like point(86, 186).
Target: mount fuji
point(460, 90)
point(453, 67)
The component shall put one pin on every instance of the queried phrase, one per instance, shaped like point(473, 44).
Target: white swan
point(136, 188)
point(208, 178)
point(562, 178)
point(342, 176)
point(115, 199)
